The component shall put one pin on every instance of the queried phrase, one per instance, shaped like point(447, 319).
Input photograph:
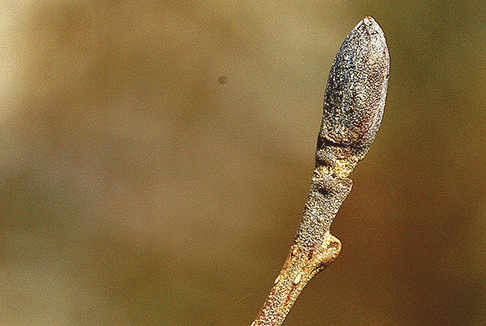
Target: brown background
point(138, 187)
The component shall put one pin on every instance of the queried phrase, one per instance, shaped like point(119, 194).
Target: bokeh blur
point(155, 158)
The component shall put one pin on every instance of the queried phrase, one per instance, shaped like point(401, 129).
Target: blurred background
point(155, 158)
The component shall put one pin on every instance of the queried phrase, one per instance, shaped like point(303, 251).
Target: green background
point(155, 158)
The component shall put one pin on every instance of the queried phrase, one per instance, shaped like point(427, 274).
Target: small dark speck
point(222, 79)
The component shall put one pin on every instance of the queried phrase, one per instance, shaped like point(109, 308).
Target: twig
point(353, 107)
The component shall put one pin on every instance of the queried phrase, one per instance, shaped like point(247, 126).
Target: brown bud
point(356, 91)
